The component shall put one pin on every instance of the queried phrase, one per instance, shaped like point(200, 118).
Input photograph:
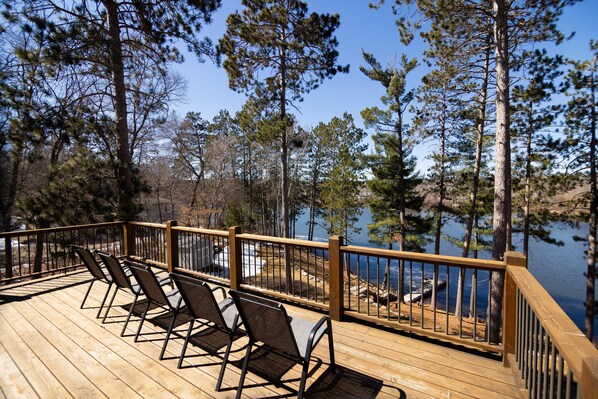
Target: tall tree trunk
point(440, 204)
point(591, 274)
point(480, 124)
point(126, 208)
point(501, 221)
point(312, 200)
point(528, 182)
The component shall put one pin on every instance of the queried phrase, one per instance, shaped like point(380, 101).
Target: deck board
point(50, 348)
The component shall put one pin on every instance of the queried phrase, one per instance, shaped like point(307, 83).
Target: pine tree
point(581, 119)
point(533, 113)
point(100, 40)
point(394, 179)
point(277, 52)
point(340, 204)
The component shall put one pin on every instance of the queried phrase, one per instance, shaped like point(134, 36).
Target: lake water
point(560, 270)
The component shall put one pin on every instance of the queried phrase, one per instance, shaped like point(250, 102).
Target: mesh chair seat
point(267, 322)
point(202, 306)
point(150, 285)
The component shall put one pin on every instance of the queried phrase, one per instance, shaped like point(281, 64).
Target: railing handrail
point(19, 233)
point(568, 338)
point(280, 240)
point(147, 224)
point(485, 264)
point(183, 229)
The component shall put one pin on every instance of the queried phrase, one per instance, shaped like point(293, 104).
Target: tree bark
point(126, 208)
point(501, 220)
point(591, 274)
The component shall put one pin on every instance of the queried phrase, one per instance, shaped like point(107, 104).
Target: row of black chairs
point(262, 320)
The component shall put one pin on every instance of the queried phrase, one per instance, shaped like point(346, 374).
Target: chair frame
point(211, 312)
point(241, 298)
point(154, 293)
point(92, 265)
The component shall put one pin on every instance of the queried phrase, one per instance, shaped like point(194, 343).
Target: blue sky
point(361, 28)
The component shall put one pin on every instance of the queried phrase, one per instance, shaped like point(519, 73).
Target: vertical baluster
point(410, 293)
point(560, 377)
point(421, 297)
point(447, 297)
point(569, 381)
point(518, 328)
point(474, 302)
point(539, 361)
point(434, 300)
point(548, 345)
point(552, 369)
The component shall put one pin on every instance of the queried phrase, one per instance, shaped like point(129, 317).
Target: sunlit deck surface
point(49, 348)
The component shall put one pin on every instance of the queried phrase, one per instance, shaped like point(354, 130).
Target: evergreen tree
point(102, 39)
point(342, 179)
point(277, 52)
point(394, 178)
point(581, 119)
point(515, 24)
point(532, 113)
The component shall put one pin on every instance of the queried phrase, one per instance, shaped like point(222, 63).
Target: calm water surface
point(560, 270)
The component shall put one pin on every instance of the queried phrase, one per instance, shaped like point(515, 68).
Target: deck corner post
point(335, 278)
point(172, 246)
point(589, 377)
point(129, 239)
point(235, 258)
point(512, 259)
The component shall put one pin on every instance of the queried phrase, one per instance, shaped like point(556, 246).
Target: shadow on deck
point(49, 348)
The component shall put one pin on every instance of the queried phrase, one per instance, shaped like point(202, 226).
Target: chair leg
point(243, 371)
point(87, 293)
point(225, 360)
point(303, 379)
point(176, 313)
point(109, 305)
point(142, 320)
point(104, 300)
point(180, 364)
point(122, 333)
point(331, 349)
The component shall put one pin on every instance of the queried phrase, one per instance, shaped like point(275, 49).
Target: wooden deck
point(49, 348)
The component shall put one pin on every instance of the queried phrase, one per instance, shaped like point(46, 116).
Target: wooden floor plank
point(13, 383)
point(50, 348)
point(62, 369)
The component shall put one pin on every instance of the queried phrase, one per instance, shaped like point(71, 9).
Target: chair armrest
point(315, 329)
point(220, 288)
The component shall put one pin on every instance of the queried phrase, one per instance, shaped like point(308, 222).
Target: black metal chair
point(96, 271)
point(121, 279)
point(150, 285)
point(203, 307)
point(267, 322)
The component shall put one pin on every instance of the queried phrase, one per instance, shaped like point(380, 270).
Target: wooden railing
point(540, 343)
point(36, 253)
point(547, 352)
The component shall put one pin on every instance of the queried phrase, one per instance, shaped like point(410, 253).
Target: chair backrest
point(89, 261)
point(266, 321)
point(199, 298)
point(115, 269)
point(148, 282)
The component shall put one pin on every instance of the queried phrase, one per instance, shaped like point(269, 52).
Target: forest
point(87, 133)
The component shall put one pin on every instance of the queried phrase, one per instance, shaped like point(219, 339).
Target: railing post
point(335, 278)
point(129, 240)
point(172, 246)
point(235, 258)
point(8, 257)
point(512, 259)
point(589, 377)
